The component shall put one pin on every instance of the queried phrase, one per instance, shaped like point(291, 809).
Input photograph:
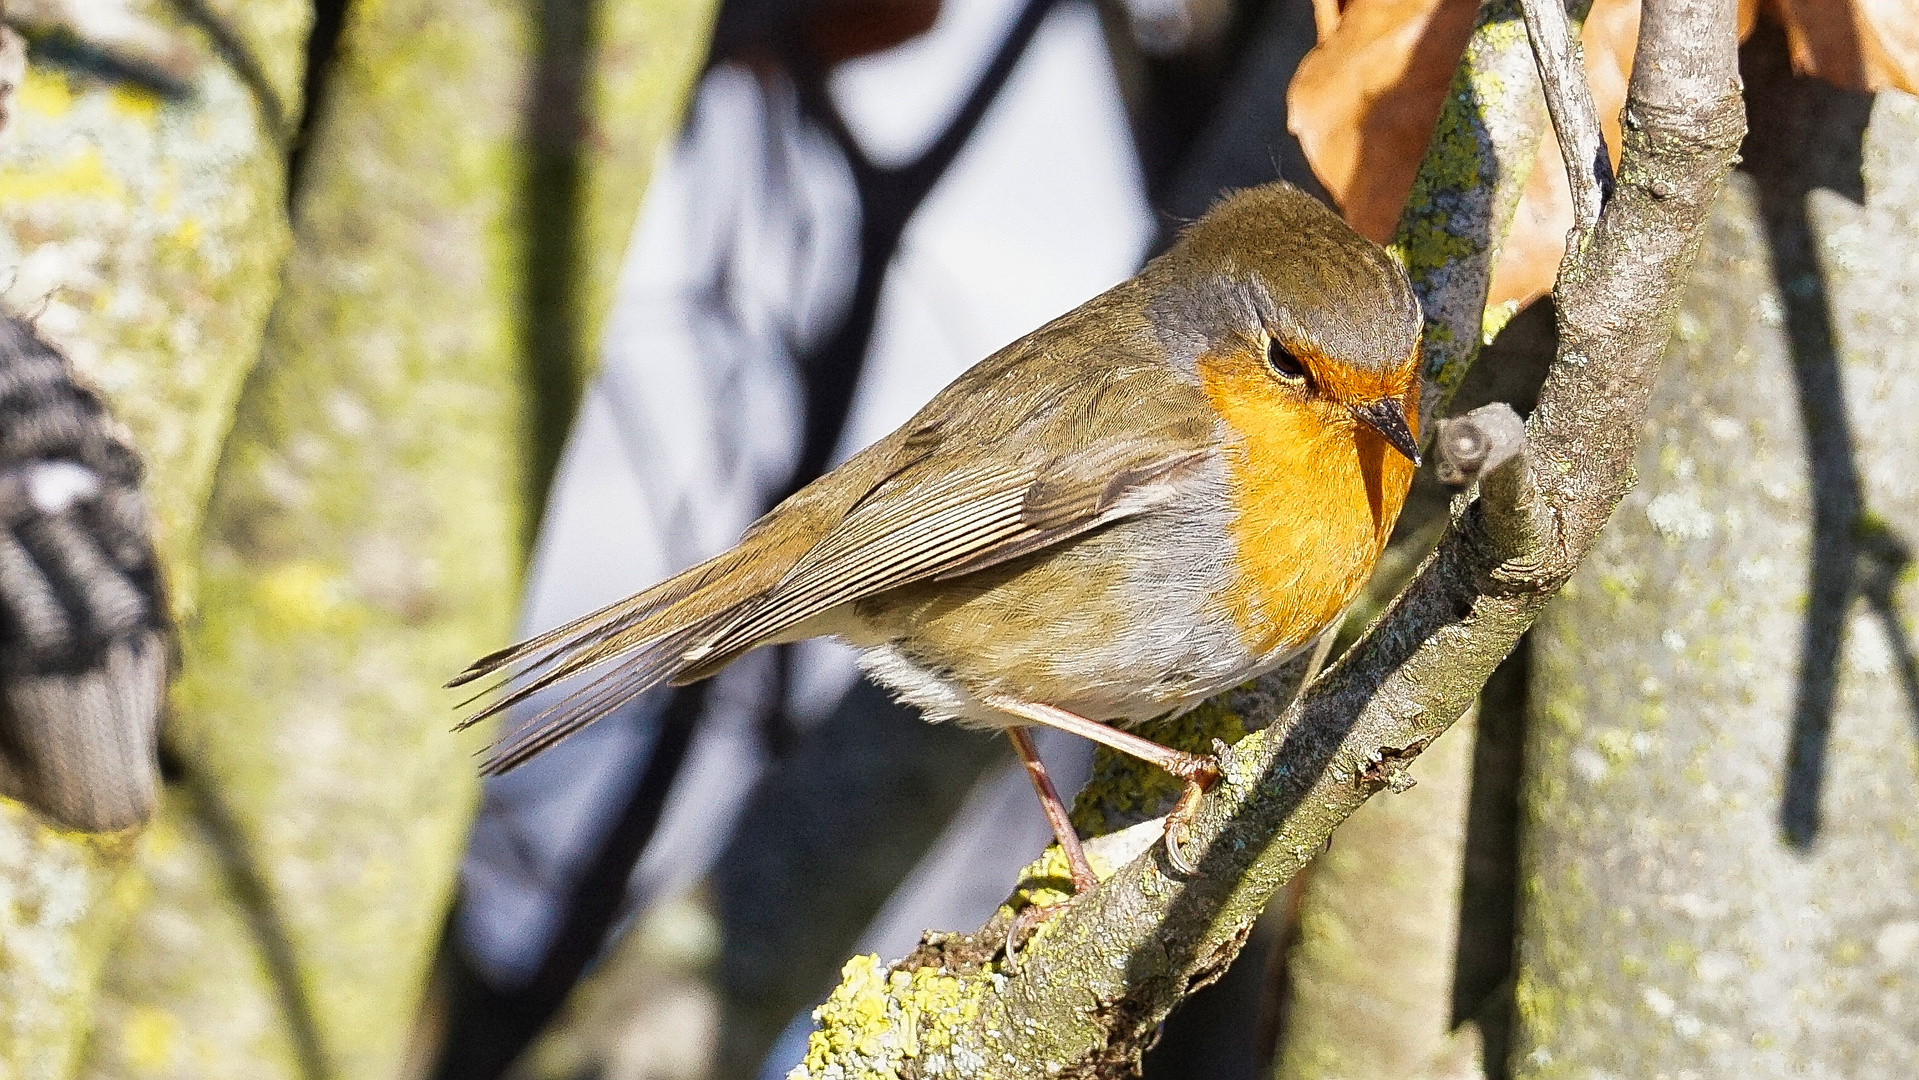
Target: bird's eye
point(1281, 359)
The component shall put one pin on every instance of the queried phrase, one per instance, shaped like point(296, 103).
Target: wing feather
point(949, 527)
point(1003, 463)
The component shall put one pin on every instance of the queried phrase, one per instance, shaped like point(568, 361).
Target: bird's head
point(1308, 315)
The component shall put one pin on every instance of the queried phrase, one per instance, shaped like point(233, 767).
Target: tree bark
point(1371, 978)
point(1721, 872)
point(363, 537)
point(143, 228)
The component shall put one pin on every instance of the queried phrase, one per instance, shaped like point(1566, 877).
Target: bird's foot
point(1200, 773)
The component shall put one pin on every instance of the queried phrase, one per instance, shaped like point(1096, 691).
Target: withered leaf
point(1364, 101)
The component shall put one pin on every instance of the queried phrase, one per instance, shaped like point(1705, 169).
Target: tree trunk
point(1721, 869)
point(143, 226)
point(363, 540)
point(1371, 979)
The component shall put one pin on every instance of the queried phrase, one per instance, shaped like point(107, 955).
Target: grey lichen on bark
point(143, 233)
point(187, 991)
point(1096, 980)
point(1699, 687)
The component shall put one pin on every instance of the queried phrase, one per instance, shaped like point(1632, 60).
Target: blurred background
point(346, 340)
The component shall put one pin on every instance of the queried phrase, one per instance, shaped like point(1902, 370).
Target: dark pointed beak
point(1388, 417)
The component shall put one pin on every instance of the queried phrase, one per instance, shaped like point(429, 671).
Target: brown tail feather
point(709, 664)
point(591, 648)
point(554, 640)
point(641, 671)
point(585, 650)
point(596, 625)
point(645, 637)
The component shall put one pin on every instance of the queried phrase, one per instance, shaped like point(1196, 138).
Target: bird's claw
point(1175, 848)
point(1200, 777)
point(1024, 923)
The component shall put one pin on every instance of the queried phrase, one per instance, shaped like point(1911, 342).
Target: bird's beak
point(1388, 417)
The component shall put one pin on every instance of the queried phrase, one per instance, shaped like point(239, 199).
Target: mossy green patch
point(1124, 790)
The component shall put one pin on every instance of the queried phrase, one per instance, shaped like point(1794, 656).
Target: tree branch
point(1488, 447)
point(1094, 983)
point(1569, 100)
point(1463, 198)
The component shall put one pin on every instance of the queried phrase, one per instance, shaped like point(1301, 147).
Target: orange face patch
point(1352, 385)
point(1315, 495)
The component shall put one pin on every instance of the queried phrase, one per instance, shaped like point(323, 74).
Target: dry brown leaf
point(1364, 101)
point(1857, 44)
point(1530, 259)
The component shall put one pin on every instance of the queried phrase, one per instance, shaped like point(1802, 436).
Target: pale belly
point(1123, 625)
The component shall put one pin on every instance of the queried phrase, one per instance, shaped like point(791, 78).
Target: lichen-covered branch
point(1093, 984)
point(1463, 198)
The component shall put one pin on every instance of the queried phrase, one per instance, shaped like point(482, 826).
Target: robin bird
point(1153, 498)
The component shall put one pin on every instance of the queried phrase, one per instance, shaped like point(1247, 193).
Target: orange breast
point(1315, 499)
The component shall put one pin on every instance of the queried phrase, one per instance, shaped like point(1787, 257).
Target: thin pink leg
point(1199, 772)
point(1083, 878)
point(1192, 768)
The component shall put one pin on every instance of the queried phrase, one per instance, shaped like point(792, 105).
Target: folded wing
point(975, 480)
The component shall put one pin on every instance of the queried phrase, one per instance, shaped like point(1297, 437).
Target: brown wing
point(1003, 462)
point(956, 512)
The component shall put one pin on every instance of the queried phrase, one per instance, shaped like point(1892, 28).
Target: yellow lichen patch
point(82, 176)
point(44, 92)
point(1495, 320)
point(300, 593)
point(1124, 790)
point(135, 102)
point(1047, 881)
point(877, 1019)
point(187, 235)
point(150, 1036)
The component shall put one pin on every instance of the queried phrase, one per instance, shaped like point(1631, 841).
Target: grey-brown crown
point(1274, 257)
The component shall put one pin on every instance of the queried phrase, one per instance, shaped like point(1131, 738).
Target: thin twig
point(1488, 447)
point(1569, 100)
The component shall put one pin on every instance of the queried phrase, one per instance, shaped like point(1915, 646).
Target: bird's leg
point(1083, 878)
point(1198, 771)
